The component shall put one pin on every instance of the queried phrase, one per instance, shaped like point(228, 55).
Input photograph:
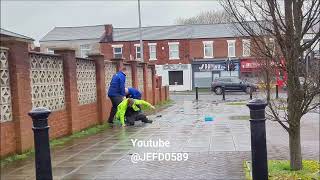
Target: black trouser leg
point(130, 120)
point(115, 102)
point(141, 117)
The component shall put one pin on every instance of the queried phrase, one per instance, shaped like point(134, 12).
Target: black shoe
point(130, 123)
point(148, 121)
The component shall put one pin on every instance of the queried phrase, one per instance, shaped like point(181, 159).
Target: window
point(175, 77)
point(153, 51)
point(138, 51)
point(231, 48)
point(50, 51)
point(208, 49)
point(84, 50)
point(246, 47)
point(117, 51)
point(270, 44)
point(173, 50)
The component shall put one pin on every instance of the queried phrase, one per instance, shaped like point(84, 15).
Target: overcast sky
point(36, 18)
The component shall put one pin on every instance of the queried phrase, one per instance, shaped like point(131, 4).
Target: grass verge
point(87, 132)
point(280, 169)
point(54, 143)
point(236, 103)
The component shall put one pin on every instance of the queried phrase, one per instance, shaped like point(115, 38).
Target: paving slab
point(215, 149)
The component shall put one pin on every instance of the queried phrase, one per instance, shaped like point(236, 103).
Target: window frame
point(49, 51)
point(170, 44)
point(136, 51)
point(204, 48)
point(117, 46)
point(84, 51)
point(244, 46)
point(231, 42)
point(155, 51)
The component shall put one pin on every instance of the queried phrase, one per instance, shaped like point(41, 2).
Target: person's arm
point(122, 85)
point(144, 104)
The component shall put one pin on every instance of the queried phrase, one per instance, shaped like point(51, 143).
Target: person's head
point(130, 102)
point(123, 69)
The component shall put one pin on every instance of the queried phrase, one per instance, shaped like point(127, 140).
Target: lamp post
point(140, 32)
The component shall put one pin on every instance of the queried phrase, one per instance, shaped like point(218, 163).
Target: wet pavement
point(216, 149)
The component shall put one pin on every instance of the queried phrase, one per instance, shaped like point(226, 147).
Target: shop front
point(205, 71)
point(176, 76)
point(249, 70)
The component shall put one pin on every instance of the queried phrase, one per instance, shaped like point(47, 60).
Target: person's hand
point(123, 98)
point(123, 125)
point(152, 107)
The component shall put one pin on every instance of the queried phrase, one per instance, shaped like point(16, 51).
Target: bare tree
point(287, 22)
point(207, 17)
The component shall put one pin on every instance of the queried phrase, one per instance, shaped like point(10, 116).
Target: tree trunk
point(295, 147)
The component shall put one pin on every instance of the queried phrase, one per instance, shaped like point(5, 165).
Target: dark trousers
point(132, 116)
point(116, 100)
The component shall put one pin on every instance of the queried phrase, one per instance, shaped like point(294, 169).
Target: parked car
point(232, 84)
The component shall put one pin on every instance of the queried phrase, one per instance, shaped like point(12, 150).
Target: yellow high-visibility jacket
point(122, 108)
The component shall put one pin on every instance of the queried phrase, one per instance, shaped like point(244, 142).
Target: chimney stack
point(108, 33)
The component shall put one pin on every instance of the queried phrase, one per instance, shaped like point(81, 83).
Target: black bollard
point(41, 142)
point(258, 139)
point(197, 96)
point(223, 93)
point(277, 91)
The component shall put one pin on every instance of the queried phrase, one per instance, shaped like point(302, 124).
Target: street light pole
point(140, 33)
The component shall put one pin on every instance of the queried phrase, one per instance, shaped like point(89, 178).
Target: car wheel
point(249, 90)
point(218, 90)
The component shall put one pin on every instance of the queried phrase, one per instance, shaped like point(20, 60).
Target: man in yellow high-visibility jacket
point(131, 109)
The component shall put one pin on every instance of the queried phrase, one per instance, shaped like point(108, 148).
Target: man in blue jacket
point(116, 91)
point(133, 93)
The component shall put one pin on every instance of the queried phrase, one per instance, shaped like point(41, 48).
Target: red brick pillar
point(134, 73)
point(153, 86)
point(70, 87)
point(167, 93)
point(101, 86)
point(160, 87)
point(145, 81)
point(19, 67)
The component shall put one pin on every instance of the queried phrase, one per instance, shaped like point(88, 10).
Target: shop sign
point(175, 67)
point(211, 67)
point(249, 65)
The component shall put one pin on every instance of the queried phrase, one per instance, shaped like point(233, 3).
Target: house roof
point(175, 32)
point(74, 33)
point(195, 31)
point(148, 33)
point(13, 34)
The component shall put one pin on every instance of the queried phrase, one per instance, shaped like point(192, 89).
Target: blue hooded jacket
point(134, 93)
point(117, 85)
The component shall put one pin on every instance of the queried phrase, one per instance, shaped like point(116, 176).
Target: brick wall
point(161, 52)
point(188, 49)
point(74, 89)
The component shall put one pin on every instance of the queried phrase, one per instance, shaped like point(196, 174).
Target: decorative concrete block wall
point(74, 89)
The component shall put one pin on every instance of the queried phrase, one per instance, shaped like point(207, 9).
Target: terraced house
point(185, 55)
